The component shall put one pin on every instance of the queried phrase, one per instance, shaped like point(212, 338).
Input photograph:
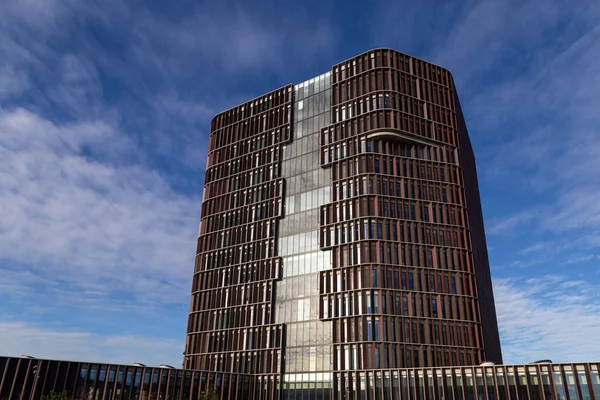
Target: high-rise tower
point(341, 235)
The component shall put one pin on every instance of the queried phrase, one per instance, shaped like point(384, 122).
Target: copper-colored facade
point(29, 379)
point(342, 232)
point(232, 325)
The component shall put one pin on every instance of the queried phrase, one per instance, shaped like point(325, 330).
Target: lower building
point(29, 378)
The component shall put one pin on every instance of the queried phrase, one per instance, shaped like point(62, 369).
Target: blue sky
point(104, 115)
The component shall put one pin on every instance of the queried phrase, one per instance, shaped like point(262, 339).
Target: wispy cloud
point(583, 258)
point(548, 317)
point(18, 338)
point(510, 223)
point(91, 221)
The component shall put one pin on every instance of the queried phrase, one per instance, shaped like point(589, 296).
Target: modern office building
point(341, 235)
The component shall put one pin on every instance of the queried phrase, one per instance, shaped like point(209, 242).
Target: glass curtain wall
point(307, 356)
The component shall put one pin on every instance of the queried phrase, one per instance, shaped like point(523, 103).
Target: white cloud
point(547, 116)
point(549, 317)
point(12, 81)
point(73, 218)
point(509, 224)
point(18, 338)
point(583, 258)
point(233, 37)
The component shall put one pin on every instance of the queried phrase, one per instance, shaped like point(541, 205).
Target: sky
point(105, 109)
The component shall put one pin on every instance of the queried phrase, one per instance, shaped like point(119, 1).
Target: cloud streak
point(91, 221)
point(550, 317)
point(18, 338)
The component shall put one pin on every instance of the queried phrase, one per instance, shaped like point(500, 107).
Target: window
point(374, 277)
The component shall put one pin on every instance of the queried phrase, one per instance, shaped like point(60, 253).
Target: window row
point(36, 378)
point(237, 235)
point(305, 201)
point(250, 145)
point(417, 256)
point(247, 253)
point(297, 310)
point(312, 125)
point(305, 264)
point(379, 276)
point(310, 333)
point(301, 146)
point(380, 120)
point(305, 163)
point(230, 318)
point(300, 243)
point(395, 208)
point(264, 337)
point(400, 188)
point(381, 58)
point(292, 287)
point(264, 103)
point(254, 176)
point(405, 171)
point(396, 231)
point(394, 101)
point(408, 304)
point(357, 142)
point(444, 154)
point(407, 330)
point(378, 101)
point(243, 164)
point(269, 120)
point(437, 94)
point(307, 359)
point(248, 362)
point(311, 106)
point(259, 270)
point(215, 222)
point(489, 383)
point(312, 86)
point(382, 355)
point(305, 181)
point(371, 253)
point(270, 190)
point(397, 167)
point(251, 293)
point(372, 81)
point(419, 211)
point(307, 221)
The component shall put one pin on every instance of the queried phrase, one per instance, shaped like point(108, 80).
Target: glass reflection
point(297, 297)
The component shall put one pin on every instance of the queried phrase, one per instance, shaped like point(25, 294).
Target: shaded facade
point(29, 379)
point(342, 232)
